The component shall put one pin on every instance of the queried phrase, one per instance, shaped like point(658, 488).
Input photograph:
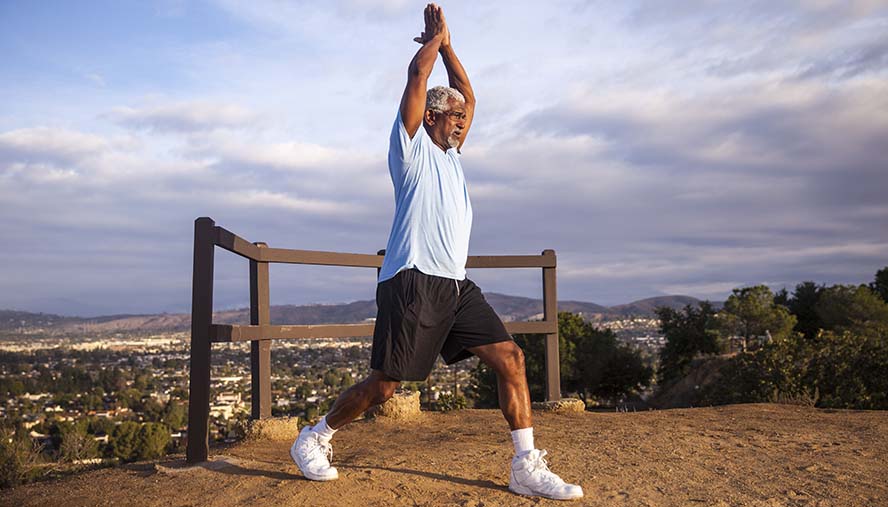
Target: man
point(426, 304)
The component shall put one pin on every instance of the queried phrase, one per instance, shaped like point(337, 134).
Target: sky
point(684, 147)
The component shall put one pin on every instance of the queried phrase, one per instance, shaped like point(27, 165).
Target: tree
point(835, 370)
point(19, 458)
point(152, 410)
point(607, 369)
point(152, 441)
point(803, 304)
point(781, 297)
point(100, 426)
point(129, 398)
point(850, 368)
point(132, 441)
point(331, 379)
point(175, 415)
point(750, 312)
point(844, 307)
point(123, 441)
point(880, 284)
point(688, 333)
point(77, 443)
point(483, 387)
point(592, 362)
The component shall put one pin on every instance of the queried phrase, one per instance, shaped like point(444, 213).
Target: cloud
point(689, 147)
point(50, 144)
point(241, 151)
point(183, 117)
point(96, 78)
point(269, 199)
point(764, 127)
point(870, 57)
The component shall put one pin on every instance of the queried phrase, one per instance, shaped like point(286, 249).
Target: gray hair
point(437, 99)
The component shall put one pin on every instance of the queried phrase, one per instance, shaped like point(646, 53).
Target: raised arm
point(459, 80)
point(413, 101)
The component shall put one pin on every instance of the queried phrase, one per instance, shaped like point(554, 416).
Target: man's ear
point(430, 117)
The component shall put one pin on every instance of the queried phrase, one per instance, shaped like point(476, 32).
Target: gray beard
point(453, 141)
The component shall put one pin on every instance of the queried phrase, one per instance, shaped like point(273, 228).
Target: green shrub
point(19, 458)
point(448, 402)
point(835, 370)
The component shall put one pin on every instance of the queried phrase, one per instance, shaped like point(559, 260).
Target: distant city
point(60, 370)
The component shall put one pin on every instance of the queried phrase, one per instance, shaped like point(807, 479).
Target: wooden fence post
point(550, 314)
point(260, 350)
point(201, 318)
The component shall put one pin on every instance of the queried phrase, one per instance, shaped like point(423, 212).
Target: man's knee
point(381, 390)
point(515, 358)
point(509, 359)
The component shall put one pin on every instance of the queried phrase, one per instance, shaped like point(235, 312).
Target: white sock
point(523, 440)
point(323, 431)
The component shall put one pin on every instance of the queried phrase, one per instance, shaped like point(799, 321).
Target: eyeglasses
point(456, 115)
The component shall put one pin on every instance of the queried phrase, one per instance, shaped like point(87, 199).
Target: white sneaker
point(531, 477)
point(313, 456)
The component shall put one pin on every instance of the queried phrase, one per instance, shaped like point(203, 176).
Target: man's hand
point(413, 101)
point(435, 26)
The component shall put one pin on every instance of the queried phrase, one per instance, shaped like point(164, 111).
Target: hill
point(738, 455)
point(510, 308)
point(647, 306)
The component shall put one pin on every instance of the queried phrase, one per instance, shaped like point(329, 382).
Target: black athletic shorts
point(420, 316)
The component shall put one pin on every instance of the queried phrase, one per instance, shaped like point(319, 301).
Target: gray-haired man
point(426, 305)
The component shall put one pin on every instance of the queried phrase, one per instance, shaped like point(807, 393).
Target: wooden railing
point(260, 332)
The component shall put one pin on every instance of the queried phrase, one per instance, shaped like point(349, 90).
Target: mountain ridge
point(509, 308)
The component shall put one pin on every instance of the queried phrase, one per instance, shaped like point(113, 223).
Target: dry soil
point(755, 455)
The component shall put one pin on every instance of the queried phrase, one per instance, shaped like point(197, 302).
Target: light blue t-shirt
point(433, 214)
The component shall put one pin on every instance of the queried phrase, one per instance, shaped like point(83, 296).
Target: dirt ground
point(749, 455)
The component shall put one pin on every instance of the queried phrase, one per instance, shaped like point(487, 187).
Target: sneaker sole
point(309, 475)
point(524, 491)
point(527, 492)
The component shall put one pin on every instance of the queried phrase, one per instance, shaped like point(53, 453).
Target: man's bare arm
point(414, 99)
point(458, 78)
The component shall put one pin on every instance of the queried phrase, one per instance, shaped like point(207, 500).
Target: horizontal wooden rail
point(235, 244)
point(546, 260)
point(287, 256)
point(231, 333)
point(222, 333)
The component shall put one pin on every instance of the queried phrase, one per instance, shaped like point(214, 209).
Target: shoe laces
point(539, 465)
point(327, 449)
point(318, 447)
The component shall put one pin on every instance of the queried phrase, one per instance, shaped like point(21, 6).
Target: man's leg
point(354, 401)
point(312, 450)
point(506, 359)
point(530, 474)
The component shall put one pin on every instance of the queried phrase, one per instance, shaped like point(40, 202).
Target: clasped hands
point(435, 26)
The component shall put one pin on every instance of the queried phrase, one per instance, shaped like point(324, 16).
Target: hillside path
point(739, 455)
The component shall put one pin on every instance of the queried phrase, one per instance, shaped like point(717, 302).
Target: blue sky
point(684, 147)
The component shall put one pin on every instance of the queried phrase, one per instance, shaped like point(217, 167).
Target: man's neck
point(439, 145)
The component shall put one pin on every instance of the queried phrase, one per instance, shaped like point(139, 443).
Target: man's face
point(448, 126)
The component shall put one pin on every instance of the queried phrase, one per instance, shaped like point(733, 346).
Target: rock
point(275, 428)
point(218, 463)
point(562, 406)
point(403, 405)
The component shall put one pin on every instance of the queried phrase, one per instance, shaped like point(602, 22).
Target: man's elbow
point(467, 94)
